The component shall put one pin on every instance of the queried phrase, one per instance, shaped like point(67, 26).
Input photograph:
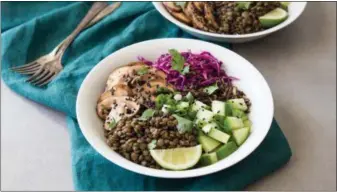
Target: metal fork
point(45, 68)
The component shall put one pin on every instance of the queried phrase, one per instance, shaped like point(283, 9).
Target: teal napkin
point(32, 29)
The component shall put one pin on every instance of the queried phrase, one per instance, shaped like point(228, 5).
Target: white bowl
point(251, 82)
point(295, 9)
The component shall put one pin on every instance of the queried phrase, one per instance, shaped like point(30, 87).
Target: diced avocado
point(243, 4)
point(208, 159)
point(233, 123)
point(228, 109)
point(207, 143)
point(218, 135)
point(183, 105)
point(247, 123)
point(238, 113)
point(240, 135)
point(197, 105)
point(219, 107)
point(207, 128)
point(225, 150)
point(189, 97)
point(205, 115)
point(238, 104)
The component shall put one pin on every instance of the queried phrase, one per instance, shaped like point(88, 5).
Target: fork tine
point(26, 66)
point(27, 71)
point(47, 80)
point(41, 76)
point(34, 75)
point(43, 79)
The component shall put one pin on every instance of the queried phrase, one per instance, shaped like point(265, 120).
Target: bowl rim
point(163, 173)
point(175, 21)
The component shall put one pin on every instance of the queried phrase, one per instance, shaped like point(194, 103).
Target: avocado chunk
point(208, 159)
point(225, 150)
point(238, 104)
point(232, 123)
point(240, 135)
point(207, 143)
point(218, 135)
point(219, 108)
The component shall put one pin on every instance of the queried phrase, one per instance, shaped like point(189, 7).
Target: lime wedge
point(177, 158)
point(273, 18)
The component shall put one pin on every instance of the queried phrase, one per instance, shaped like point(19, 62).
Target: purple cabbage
point(205, 70)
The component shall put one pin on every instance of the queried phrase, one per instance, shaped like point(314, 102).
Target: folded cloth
point(32, 29)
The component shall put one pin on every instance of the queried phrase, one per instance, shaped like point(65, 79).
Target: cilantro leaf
point(112, 124)
point(142, 71)
point(178, 60)
point(148, 113)
point(184, 125)
point(186, 70)
point(211, 89)
point(152, 145)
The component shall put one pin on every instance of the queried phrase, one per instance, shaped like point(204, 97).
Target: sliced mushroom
point(116, 77)
point(172, 6)
point(181, 17)
point(199, 5)
point(118, 107)
point(209, 15)
point(197, 20)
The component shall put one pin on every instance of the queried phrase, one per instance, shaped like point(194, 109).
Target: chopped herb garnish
point(184, 125)
point(148, 113)
point(186, 70)
point(178, 60)
point(112, 124)
point(152, 144)
point(211, 89)
point(142, 71)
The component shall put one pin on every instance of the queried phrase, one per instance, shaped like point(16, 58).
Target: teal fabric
point(32, 29)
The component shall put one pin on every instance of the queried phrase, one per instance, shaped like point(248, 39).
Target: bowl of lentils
point(230, 21)
point(174, 108)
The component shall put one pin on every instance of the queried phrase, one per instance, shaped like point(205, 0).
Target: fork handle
point(94, 10)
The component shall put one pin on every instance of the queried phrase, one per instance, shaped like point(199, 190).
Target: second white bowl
point(295, 9)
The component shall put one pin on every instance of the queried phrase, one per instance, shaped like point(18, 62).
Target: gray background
point(299, 64)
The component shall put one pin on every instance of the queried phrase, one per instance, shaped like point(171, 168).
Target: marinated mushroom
point(172, 6)
point(197, 20)
point(208, 9)
point(117, 107)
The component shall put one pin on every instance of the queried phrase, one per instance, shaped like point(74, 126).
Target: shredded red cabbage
point(205, 70)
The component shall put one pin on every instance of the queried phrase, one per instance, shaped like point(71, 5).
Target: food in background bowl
point(229, 17)
point(180, 112)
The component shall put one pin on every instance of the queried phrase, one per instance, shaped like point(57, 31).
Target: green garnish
point(162, 99)
point(189, 97)
point(178, 60)
point(152, 144)
point(184, 125)
point(143, 71)
point(163, 90)
point(243, 4)
point(148, 113)
point(112, 124)
point(211, 89)
point(185, 70)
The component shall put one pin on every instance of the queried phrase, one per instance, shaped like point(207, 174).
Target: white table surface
point(299, 64)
